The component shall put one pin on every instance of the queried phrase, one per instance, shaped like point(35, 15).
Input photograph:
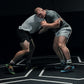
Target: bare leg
point(25, 49)
point(57, 50)
point(62, 44)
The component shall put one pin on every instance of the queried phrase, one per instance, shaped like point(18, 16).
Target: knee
point(27, 50)
point(61, 45)
point(31, 49)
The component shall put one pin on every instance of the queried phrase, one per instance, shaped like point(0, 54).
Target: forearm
point(42, 30)
point(53, 25)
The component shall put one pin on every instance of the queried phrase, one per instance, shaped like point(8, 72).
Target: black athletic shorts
point(23, 35)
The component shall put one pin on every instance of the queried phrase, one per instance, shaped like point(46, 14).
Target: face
point(40, 12)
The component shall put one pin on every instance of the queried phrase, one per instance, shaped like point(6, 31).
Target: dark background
point(14, 12)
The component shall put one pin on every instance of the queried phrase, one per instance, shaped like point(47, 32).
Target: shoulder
point(32, 17)
point(51, 12)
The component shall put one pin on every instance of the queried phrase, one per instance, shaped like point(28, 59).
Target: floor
point(44, 74)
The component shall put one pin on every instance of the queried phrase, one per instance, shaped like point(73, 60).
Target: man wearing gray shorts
point(62, 30)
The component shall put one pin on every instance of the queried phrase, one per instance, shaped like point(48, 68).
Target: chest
point(49, 19)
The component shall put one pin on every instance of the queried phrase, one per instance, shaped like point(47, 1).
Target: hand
point(44, 24)
point(59, 20)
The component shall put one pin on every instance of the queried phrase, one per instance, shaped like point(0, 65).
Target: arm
point(43, 30)
point(55, 24)
point(46, 26)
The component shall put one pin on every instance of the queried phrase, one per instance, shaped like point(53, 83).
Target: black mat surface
point(49, 76)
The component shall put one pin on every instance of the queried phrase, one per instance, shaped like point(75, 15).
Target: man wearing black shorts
point(30, 26)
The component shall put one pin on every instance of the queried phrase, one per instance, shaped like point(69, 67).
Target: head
point(40, 12)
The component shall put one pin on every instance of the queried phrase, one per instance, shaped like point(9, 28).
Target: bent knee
point(27, 50)
point(61, 45)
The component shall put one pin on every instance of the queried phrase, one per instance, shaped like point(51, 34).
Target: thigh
point(63, 35)
point(25, 44)
point(23, 35)
point(64, 32)
point(62, 40)
point(59, 40)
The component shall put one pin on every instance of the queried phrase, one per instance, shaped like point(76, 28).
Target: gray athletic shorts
point(65, 31)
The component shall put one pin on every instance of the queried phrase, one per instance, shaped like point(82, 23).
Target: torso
point(32, 24)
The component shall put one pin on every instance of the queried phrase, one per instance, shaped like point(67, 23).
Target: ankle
point(69, 61)
point(12, 62)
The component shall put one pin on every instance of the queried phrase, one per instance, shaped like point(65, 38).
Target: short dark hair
point(35, 10)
